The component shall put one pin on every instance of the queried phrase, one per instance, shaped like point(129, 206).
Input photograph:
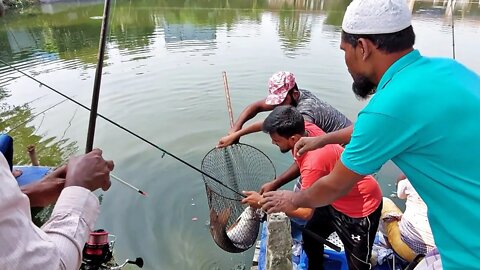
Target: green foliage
point(14, 120)
point(72, 31)
point(19, 3)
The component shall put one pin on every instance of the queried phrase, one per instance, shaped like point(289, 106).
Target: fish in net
point(233, 169)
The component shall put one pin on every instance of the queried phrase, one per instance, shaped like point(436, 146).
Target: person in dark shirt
point(283, 90)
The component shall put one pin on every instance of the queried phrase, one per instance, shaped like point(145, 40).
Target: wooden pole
point(227, 96)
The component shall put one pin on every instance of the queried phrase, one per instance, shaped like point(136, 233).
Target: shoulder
point(330, 152)
point(425, 79)
point(307, 97)
point(308, 103)
point(313, 130)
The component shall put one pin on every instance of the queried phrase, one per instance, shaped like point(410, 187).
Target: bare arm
point(306, 144)
point(46, 191)
point(43, 193)
point(341, 136)
point(235, 136)
point(291, 173)
point(303, 213)
point(249, 112)
point(255, 127)
point(253, 198)
point(323, 192)
point(328, 188)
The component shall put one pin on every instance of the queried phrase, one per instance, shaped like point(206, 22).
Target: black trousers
point(357, 235)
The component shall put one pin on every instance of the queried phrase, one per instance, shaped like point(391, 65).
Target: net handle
point(227, 97)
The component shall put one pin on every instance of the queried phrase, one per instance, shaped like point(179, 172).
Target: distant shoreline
point(14, 4)
point(20, 4)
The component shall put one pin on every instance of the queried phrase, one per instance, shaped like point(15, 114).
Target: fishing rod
point(453, 27)
point(227, 97)
point(98, 78)
point(124, 129)
point(128, 185)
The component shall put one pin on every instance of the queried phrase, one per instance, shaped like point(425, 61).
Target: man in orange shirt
point(354, 217)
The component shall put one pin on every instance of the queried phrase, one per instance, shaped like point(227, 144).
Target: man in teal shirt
point(424, 116)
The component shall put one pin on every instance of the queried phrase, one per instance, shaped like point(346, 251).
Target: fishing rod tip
point(143, 193)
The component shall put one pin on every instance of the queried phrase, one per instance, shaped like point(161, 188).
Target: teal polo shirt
point(425, 117)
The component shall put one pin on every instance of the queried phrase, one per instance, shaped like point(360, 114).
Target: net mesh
point(234, 227)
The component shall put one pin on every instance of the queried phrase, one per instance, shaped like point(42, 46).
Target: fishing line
point(28, 102)
point(69, 124)
point(35, 115)
point(35, 99)
point(124, 129)
point(40, 125)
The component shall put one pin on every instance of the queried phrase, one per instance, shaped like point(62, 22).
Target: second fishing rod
point(124, 129)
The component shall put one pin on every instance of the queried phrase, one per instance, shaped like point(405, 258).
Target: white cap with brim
point(376, 17)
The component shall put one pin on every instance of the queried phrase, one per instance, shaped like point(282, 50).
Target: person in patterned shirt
point(283, 90)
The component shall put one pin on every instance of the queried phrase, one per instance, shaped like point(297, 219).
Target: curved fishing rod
point(124, 129)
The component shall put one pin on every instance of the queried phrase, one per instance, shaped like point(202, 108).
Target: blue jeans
point(6, 147)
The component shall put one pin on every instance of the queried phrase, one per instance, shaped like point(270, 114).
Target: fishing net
point(228, 172)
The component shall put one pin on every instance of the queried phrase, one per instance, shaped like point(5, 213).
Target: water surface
point(163, 79)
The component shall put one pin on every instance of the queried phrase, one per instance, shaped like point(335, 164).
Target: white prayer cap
point(376, 17)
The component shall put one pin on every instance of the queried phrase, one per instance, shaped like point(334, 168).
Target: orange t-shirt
point(365, 196)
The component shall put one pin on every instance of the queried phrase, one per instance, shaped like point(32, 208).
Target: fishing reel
point(98, 253)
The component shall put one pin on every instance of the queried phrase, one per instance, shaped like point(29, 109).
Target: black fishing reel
point(98, 253)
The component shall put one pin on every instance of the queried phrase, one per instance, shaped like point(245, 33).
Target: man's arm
point(376, 139)
point(46, 191)
point(59, 244)
point(302, 213)
point(402, 188)
point(328, 188)
point(253, 200)
point(306, 144)
point(323, 192)
point(291, 173)
point(235, 136)
point(249, 112)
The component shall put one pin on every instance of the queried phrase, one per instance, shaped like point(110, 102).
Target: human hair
point(389, 43)
point(284, 120)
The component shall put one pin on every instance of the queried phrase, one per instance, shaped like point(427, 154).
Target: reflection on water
point(162, 79)
point(178, 36)
point(294, 29)
point(15, 121)
point(67, 30)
